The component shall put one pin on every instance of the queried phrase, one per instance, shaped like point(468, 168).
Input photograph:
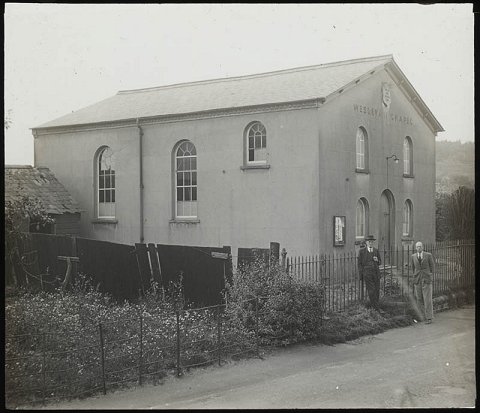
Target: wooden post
point(284, 256)
point(68, 274)
point(274, 252)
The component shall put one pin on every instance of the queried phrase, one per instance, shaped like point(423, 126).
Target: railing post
point(141, 352)
point(219, 336)
point(384, 251)
point(179, 369)
point(102, 358)
point(256, 328)
point(44, 362)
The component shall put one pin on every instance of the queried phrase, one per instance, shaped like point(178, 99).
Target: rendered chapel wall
point(339, 120)
point(241, 208)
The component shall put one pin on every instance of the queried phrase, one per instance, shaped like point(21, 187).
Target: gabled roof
point(40, 182)
point(291, 85)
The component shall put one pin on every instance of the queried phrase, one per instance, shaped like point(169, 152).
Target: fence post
point(102, 357)
point(219, 336)
point(141, 352)
point(177, 314)
point(274, 252)
point(257, 349)
point(44, 362)
point(284, 256)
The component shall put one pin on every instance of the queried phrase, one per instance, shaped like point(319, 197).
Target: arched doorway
point(386, 233)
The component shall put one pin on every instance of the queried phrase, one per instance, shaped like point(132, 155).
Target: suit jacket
point(423, 270)
point(366, 264)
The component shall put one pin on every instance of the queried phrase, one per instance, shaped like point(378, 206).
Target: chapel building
point(314, 158)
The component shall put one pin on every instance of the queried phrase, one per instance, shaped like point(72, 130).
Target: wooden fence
point(454, 270)
point(125, 271)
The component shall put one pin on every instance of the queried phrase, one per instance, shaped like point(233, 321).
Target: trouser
point(423, 295)
point(372, 281)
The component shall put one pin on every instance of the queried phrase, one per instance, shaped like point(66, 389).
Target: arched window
point(362, 150)
point(105, 183)
point(186, 180)
point(361, 220)
point(256, 144)
point(407, 156)
point(407, 219)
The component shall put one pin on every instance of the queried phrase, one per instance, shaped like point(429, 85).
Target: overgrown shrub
point(283, 309)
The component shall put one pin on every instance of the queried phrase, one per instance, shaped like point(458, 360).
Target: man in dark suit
point(423, 268)
point(369, 270)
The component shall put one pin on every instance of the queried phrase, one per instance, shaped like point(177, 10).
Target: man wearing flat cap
point(369, 270)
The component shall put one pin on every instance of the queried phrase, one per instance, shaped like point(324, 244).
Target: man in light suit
point(369, 270)
point(423, 269)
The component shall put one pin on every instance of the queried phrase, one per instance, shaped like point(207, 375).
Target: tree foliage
point(455, 214)
point(19, 213)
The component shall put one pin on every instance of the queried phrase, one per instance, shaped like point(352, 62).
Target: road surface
point(418, 366)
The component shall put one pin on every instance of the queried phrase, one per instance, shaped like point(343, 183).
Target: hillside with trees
point(455, 164)
point(455, 187)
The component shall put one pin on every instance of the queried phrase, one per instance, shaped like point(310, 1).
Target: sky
point(62, 57)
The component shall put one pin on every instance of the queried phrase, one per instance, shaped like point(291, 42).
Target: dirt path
point(418, 366)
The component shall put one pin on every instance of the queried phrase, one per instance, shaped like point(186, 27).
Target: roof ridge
point(257, 75)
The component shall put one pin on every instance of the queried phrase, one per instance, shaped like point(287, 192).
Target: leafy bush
point(21, 215)
point(283, 309)
point(59, 333)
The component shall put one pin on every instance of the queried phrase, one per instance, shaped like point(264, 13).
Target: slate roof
point(311, 82)
point(39, 182)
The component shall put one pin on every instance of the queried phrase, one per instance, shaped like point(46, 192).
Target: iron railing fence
point(44, 366)
point(454, 270)
point(40, 367)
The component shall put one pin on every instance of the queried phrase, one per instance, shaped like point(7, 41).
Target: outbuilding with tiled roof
point(42, 185)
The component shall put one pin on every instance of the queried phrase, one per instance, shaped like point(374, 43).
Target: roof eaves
point(226, 111)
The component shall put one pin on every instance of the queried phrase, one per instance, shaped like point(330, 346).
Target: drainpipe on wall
point(140, 146)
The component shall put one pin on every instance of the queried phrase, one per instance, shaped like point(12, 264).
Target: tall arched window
point(256, 144)
point(186, 180)
point(105, 185)
point(407, 156)
point(361, 220)
point(407, 219)
point(362, 150)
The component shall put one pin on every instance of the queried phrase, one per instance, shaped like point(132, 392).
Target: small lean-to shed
point(25, 180)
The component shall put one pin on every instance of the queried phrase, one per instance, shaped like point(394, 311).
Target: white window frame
point(407, 225)
point(361, 149)
point(101, 190)
point(192, 173)
point(363, 203)
point(262, 130)
point(407, 156)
